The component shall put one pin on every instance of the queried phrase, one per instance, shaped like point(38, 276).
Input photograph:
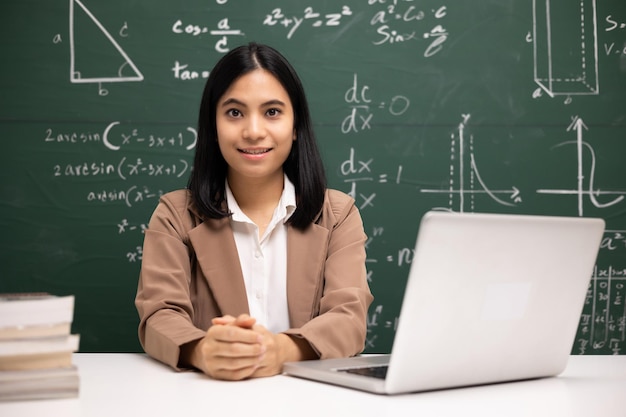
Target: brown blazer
point(191, 273)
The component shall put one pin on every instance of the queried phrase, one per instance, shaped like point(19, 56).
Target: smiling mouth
point(255, 151)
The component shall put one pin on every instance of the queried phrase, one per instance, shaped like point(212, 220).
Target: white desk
point(118, 385)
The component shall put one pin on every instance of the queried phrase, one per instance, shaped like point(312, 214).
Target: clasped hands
point(236, 348)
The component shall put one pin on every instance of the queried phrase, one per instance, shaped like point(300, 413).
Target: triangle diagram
point(95, 56)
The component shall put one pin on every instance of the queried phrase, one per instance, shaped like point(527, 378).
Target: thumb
point(245, 321)
point(227, 319)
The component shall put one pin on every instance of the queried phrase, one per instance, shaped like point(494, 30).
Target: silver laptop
point(489, 298)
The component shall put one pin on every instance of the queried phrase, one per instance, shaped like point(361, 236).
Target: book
point(25, 332)
point(38, 353)
point(34, 311)
point(36, 347)
point(39, 384)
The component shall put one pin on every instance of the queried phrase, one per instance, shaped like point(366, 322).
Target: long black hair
point(303, 166)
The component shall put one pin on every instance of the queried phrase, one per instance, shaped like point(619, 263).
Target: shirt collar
point(285, 208)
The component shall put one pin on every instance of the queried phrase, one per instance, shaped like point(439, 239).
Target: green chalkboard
point(512, 106)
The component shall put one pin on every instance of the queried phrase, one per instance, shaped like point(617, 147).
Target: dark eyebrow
point(230, 101)
point(274, 102)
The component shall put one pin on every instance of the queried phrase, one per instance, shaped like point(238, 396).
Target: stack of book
point(36, 347)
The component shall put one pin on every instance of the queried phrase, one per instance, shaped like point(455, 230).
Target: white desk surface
point(118, 385)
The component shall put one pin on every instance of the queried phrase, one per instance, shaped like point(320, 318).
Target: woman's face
point(255, 127)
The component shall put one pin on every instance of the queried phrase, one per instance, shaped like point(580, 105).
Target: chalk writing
point(387, 20)
point(612, 49)
point(119, 138)
point(125, 227)
point(127, 70)
point(186, 140)
point(614, 240)
point(404, 257)
point(131, 196)
point(123, 137)
point(615, 25)
point(354, 170)
point(182, 72)
point(123, 169)
point(311, 16)
point(222, 30)
point(603, 322)
point(582, 190)
point(554, 75)
point(72, 137)
point(612, 24)
point(376, 320)
point(135, 256)
point(376, 232)
point(360, 101)
point(465, 179)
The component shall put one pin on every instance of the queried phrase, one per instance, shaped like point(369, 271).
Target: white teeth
point(254, 151)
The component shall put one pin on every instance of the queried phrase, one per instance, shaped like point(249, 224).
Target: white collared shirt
point(264, 261)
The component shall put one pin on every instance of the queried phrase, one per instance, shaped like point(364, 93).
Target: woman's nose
point(255, 128)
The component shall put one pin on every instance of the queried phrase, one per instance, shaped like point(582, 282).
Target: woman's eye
point(234, 113)
point(273, 112)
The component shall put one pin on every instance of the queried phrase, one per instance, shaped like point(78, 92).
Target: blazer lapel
point(215, 248)
point(306, 254)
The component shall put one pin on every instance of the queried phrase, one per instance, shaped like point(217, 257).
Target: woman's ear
point(295, 135)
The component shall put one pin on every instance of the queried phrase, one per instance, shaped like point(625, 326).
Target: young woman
point(257, 263)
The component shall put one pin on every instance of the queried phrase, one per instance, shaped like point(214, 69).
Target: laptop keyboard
point(379, 371)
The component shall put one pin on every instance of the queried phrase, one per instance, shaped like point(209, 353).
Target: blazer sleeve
point(163, 298)
point(339, 326)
